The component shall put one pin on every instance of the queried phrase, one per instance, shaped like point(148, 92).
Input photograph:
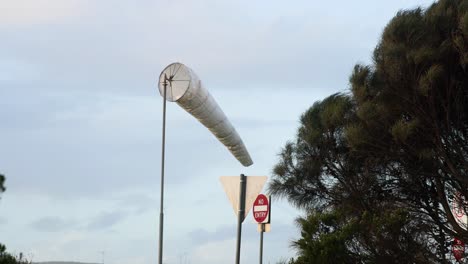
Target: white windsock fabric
point(185, 88)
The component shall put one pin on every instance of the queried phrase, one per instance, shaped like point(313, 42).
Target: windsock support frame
point(163, 148)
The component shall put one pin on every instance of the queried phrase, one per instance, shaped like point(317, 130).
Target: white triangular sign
point(231, 185)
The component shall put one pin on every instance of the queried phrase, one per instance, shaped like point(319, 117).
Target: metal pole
point(262, 229)
point(161, 207)
point(240, 215)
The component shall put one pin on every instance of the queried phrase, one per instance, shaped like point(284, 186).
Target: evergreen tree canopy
point(377, 169)
point(412, 108)
point(2, 182)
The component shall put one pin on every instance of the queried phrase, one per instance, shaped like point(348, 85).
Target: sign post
point(240, 215)
point(261, 213)
point(262, 230)
point(241, 194)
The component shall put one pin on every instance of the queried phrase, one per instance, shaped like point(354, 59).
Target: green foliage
point(376, 169)
point(323, 239)
point(420, 126)
point(334, 237)
point(431, 79)
point(285, 261)
point(2, 182)
point(7, 258)
point(319, 141)
point(403, 129)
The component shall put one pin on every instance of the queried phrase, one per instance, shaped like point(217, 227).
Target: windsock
point(185, 88)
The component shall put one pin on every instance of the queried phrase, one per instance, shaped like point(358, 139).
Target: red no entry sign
point(458, 249)
point(261, 209)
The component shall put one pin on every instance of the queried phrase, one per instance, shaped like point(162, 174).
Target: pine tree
point(388, 157)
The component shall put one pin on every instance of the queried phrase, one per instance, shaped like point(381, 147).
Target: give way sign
point(261, 209)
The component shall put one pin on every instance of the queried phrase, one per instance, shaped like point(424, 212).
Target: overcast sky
point(80, 118)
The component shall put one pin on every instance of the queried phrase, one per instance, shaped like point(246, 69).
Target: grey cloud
point(120, 52)
point(102, 221)
point(203, 236)
point(101, 146)
point(127, 58)
point(26, 109)
point(53, 224)
point(139, 203)
point(85, 144)
point(106, 220)
point(200, 236)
